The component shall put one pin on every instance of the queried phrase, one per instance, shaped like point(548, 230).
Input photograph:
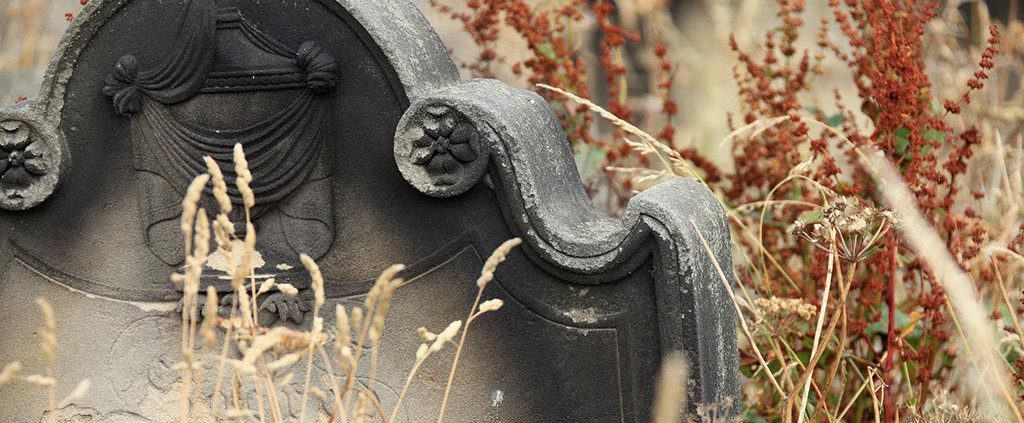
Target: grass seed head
point(446, 336)
point(426, 335)
point(343, 337)
point(491, 305)
point(10, 372)
point(422, 352)
point(40, 380)
point(316, 279)
point(220, 187)
point(241, 164)
point(288, 289)
point(190, 204)
point(208, 329)
point(48, 333)
point(499, 255)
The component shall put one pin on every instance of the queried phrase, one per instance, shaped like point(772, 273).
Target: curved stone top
point(457, 134)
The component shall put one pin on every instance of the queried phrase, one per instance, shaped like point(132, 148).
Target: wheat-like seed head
point(422, 352)
point(241, 164)
point(670, 397)
point(244, 302)
point(343, 338)
point(284, 362)
point(244, 179)
point(286, 380)
point(207, 330)
point(196, 261)
point(385, 278)
point(223, 232)
point(499, 255)
point(190, 203)
point(356, 318)
point(446, 336)
point(202, 241)
point(242, 367)
point(250, 240)
point(48, 333)
point(263, 343)
point(239, 414)
point(316, 278)
point(318, 394)
point(40, 380)
point(220, 187)
point(426, 335)
point(288, 289)
point(78, 393)
point(248, 197)
point(491, 305)
point(384, 304)
point(359, 413)
point(10, 372)
point(266, 286)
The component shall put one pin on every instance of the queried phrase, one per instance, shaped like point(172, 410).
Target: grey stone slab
point(367, 150)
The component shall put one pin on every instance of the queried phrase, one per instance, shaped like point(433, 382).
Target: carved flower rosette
point(30, 159)
point(440, 150)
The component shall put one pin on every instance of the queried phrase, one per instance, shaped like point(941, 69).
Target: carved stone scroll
point(367, 150)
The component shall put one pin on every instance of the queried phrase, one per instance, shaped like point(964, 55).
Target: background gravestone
point(367, 150)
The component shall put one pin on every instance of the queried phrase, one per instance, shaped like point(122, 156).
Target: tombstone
point(368, 150)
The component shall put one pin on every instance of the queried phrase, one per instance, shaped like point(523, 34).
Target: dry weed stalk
point(486, 276)
point(48, 347)
point(267, 354)
point(670, 395)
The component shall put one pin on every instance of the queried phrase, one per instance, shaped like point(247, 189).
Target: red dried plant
point(884, 49)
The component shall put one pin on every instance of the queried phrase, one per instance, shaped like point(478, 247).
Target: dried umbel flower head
point(776, 306)
point(855, 224)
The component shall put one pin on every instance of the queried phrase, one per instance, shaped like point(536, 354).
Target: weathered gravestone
point(367, 150)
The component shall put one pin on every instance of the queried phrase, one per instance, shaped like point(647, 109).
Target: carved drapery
point(219, 52)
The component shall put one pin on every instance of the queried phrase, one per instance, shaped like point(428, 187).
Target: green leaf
point(547, 50)
point(835, 120)
point(810, 216)
point(881, 327)
point(934, 135)
point(902, 140)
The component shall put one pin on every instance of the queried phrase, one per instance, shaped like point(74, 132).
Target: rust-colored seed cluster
point(931, 140)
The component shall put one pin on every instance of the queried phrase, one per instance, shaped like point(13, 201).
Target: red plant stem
point(891, 341)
